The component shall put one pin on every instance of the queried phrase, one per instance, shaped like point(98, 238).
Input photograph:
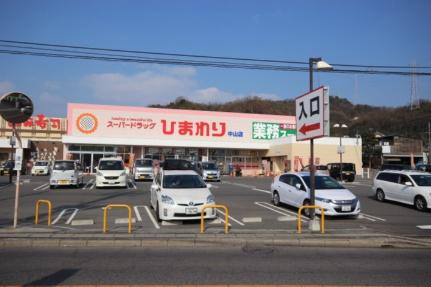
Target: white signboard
point(18, 159)
point(312, 115)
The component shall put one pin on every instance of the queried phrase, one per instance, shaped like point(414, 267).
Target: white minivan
point(111, 172)
point(66, 172)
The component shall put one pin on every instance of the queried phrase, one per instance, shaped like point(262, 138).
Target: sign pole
point(18, 174)
point(312, 177)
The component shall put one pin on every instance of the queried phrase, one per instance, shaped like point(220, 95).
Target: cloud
point(6, 87)
point(161, 85)
point(141, 89)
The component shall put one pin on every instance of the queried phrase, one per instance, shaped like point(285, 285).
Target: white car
point(210, 171)
point(293, 189)
point(409, 187)
point(143, 169)
point(180, 195)
point(111, 172)
point(66, 172)
point(40, 167)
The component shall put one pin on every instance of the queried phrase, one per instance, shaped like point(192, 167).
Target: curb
point(214, 241)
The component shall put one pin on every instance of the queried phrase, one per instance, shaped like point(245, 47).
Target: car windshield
point(64, 165)
point(209, 165)
point(144, 163)
point(422, 179)
point(41, 163)
point(183, 181)
point(323, 182)
point(111, 165)
point(321, 167)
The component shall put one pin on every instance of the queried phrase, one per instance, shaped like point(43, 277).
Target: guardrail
point(105, 213)
point(36, 215)
point(322, 218)
point(226, 216)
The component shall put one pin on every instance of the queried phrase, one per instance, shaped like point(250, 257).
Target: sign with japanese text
point(312, 115)
point(171, 124)
point(40, 122)
point(269, 131)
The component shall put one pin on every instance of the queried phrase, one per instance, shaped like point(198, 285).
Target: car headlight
point(323, 199)
point(99, 173)
point(123, 173)
point(211, 199)
point(167, 199)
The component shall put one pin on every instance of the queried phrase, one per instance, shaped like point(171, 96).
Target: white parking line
point(368, 216)
point(75, 211)
point(424, 226)
point(156, 225)
point(231, 218)
point(280, 211)
point(87, 185)
point(262, 190)
point(43, 186)
point(138, 215)
point(131, 184)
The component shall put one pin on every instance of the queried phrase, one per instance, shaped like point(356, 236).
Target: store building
point(256, 143)
point(41, 138)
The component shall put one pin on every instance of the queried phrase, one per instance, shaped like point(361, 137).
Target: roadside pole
point(16, 108)
point(18, 163)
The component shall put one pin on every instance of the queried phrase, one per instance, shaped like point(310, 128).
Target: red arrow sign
point(304, 129)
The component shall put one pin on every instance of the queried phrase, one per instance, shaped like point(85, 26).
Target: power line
point(75, 52)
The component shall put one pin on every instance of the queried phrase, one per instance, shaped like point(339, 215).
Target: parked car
point(210, 171)
point(293, 188)
point(348, 171)
point(66, 172)
point(40, 167)
point(393, 166)
point(409, 187)
point(8, 166)
point(180, 194)
point(143, 169)
point(323, 169)
point(111, 172)
point(424, 167)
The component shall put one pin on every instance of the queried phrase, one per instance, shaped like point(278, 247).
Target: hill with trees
point(363, 120)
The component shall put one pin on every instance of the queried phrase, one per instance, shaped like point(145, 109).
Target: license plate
point(191, 210)
point(346, 208)
point(63, 182)
point(210, 176)
point(142, 176)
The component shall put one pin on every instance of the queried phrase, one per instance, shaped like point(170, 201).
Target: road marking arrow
point(304, 129)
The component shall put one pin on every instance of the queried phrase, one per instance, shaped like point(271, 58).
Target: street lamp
point(340, 151)
point(320, 66)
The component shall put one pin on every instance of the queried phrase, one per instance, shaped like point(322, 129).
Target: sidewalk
point(45, 237)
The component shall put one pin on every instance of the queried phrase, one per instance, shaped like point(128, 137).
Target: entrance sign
point(312, 114)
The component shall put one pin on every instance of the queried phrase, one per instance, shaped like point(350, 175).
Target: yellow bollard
point(322, 219)
point(36, 215)
point(226, 216)
point(105, 212)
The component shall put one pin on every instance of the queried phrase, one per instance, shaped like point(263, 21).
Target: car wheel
point(158, 213)
point(52, 186)
point(420, 203)
point(380, 195)
point(276, 198)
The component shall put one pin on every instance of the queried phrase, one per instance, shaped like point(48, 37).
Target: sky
point(384, 32)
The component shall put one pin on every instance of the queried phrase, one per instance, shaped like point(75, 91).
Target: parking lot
point(248, 200)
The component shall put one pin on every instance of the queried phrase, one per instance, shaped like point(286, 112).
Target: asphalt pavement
point(77, 218)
